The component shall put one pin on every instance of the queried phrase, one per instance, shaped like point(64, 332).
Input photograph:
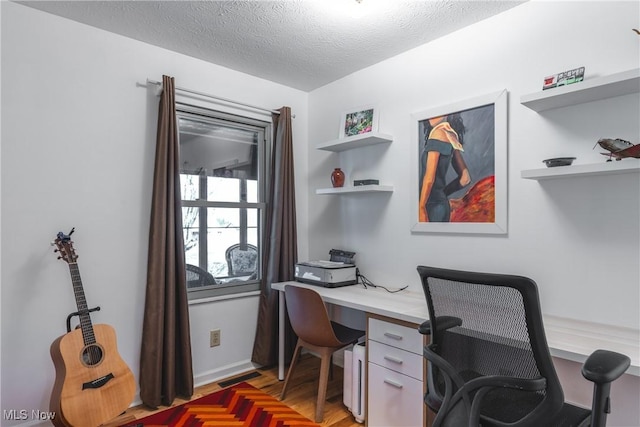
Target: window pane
point(223, 218)
point(252, 191)
point(221, 189)
point(219, 239)
point(224, 232)
point(189, 186)
point(252, 221)
point(222, 171)
point(190, 226)
point(221, 152)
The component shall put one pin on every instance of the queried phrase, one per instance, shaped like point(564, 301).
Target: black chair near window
point(488, 360)
point(197, 277)
point(242, 260)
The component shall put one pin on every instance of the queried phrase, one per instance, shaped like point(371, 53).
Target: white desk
point(567, 339)
point(405, 305)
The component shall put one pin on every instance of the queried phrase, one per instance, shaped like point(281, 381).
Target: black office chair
point(488, 359)
point(197, 277)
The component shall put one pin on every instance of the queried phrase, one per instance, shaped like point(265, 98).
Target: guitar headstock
point(65, 247)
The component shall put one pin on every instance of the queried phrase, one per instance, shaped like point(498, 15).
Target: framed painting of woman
point(459, 167)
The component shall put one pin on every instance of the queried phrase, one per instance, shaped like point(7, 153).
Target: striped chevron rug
point(237, 406)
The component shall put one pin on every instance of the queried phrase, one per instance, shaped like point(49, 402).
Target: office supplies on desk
point(338, 271)
point(329, 274)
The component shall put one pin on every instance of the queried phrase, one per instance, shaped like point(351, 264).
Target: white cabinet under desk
point(395, 373)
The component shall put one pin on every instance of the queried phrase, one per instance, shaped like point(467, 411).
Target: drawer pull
point(393, 336)
point(393, 359)
point(393, 383)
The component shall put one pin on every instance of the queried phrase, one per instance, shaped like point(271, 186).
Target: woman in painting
point(443, 147)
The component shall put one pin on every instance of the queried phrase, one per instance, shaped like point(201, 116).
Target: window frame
point(264, 130)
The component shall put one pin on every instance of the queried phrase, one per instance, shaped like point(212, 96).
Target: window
point(223, 185)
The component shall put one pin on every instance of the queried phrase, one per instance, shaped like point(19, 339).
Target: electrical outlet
point(214, 338)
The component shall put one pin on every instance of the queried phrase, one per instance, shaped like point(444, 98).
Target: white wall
point(579, 239)
point(78, 146)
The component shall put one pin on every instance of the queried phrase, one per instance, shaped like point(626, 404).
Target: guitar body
point(93, 384)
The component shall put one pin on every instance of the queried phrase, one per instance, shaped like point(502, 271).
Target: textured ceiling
point(301, 44)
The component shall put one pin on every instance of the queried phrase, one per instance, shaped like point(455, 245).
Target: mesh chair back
point(490, 325)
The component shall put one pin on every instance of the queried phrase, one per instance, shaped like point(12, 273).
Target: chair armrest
point(425, 327)
point(444, 323)
point(604, 366)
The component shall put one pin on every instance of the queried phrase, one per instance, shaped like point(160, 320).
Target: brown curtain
point(281, 248)
point(165, 359)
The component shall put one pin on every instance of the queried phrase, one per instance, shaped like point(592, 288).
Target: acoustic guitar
point(93, 384)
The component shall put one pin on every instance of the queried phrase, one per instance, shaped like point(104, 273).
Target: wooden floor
point(301, 394)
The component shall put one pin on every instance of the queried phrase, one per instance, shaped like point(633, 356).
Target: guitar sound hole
point(92, 355)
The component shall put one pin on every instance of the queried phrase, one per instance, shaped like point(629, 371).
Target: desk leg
point(281, 309)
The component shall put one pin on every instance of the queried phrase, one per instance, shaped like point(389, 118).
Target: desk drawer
point(394, 399)
point(395, 335)
point(396, 359)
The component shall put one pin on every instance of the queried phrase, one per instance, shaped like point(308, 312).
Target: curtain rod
point(217, 98)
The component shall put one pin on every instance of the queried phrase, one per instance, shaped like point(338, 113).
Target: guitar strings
point(92, 353)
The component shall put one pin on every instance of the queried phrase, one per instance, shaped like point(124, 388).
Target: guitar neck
point(81, 303)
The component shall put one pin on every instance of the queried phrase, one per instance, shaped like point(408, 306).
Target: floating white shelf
point(355, 141)
point(604, 168)
point(624, 83)
point(358, 189)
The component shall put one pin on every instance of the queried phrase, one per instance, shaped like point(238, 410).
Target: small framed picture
point(358, 121)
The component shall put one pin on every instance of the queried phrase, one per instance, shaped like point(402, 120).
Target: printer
point(338, 271)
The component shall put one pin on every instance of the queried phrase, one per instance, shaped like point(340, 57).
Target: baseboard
point(223, 372)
